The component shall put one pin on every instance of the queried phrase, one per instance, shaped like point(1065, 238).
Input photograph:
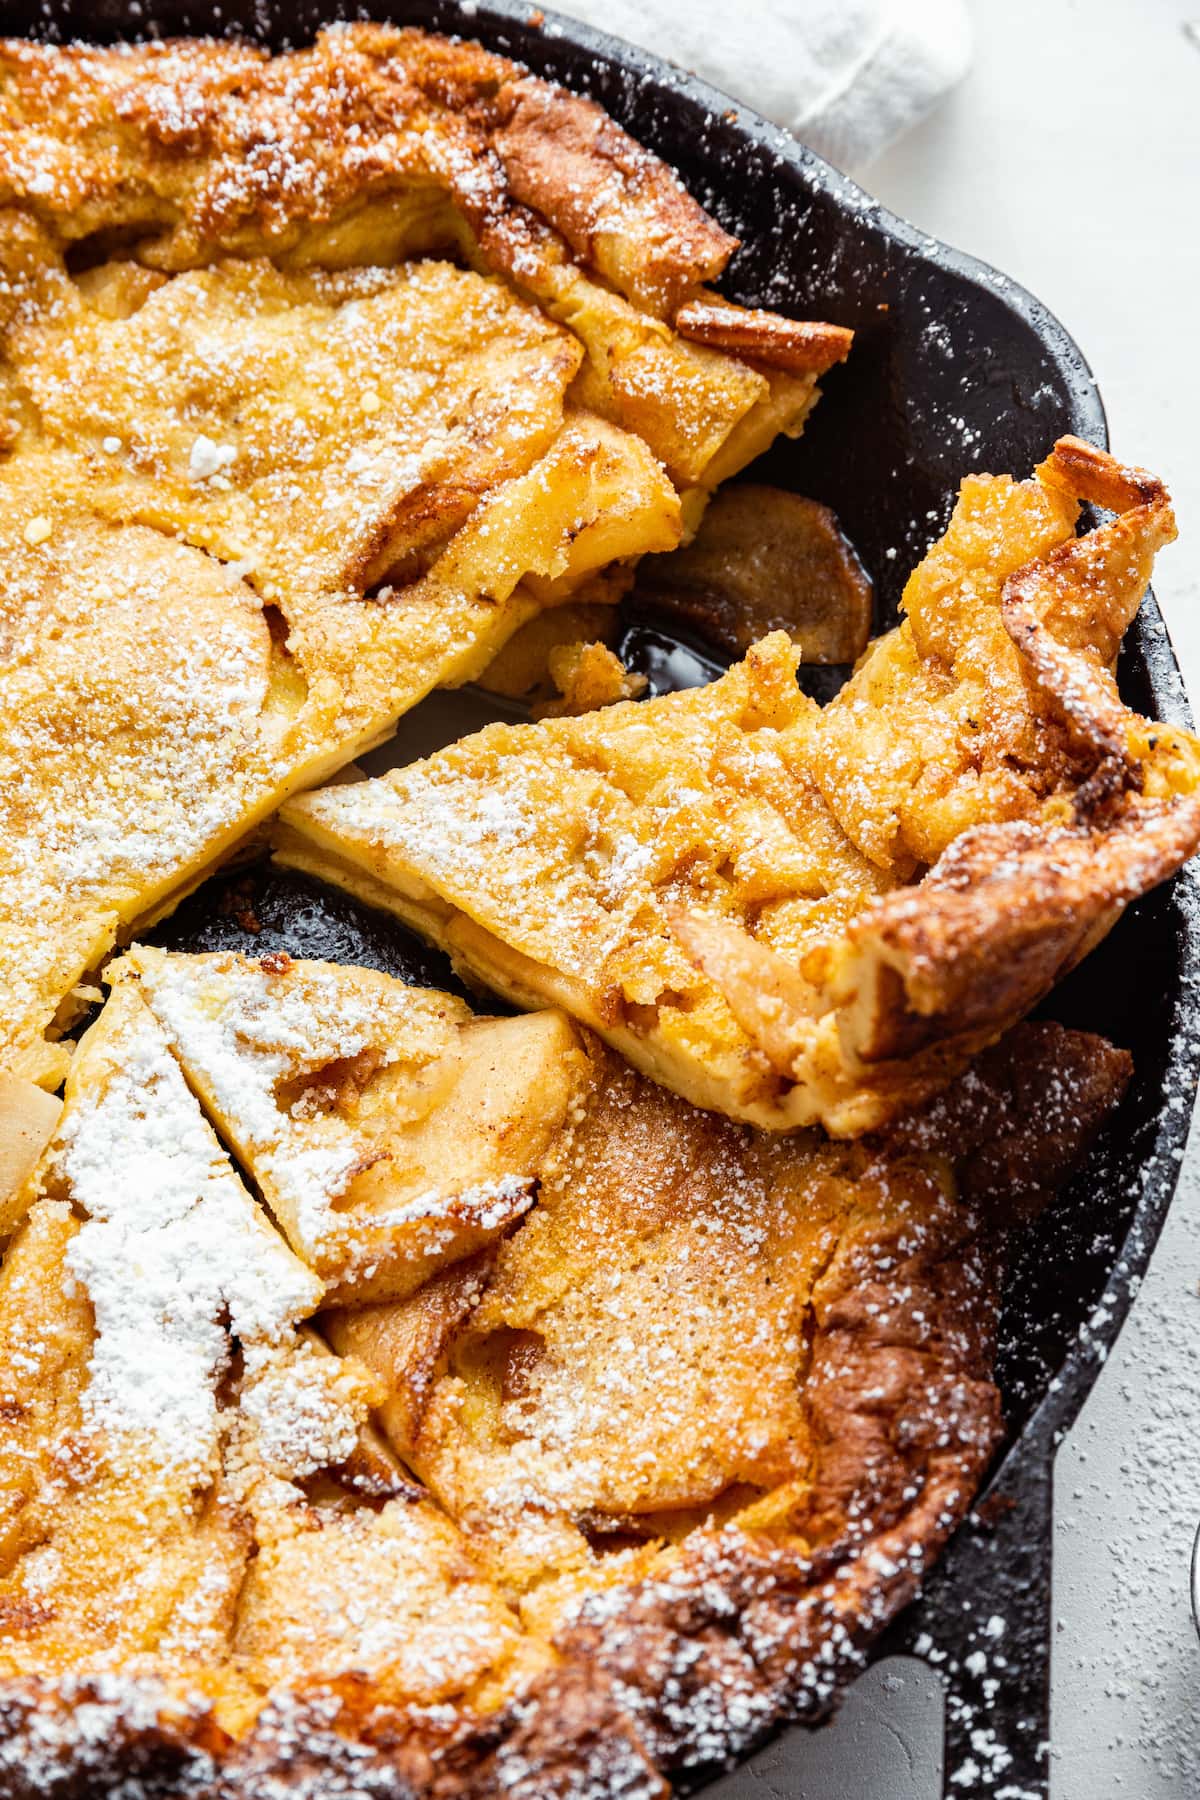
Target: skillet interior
point(955, 368)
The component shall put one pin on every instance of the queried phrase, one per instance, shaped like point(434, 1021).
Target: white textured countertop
point(1070, 159)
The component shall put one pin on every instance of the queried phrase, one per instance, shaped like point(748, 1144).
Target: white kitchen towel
point(846, 76)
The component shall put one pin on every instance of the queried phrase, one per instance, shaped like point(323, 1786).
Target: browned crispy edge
point(349, 113)
point(1001, 917)
point(562, 155)
point(567, 1740)
point(302, 139)
point(930, 974)
point(801, 346)
point(746, 1633)
point(741, 1618)
point(1076, 685)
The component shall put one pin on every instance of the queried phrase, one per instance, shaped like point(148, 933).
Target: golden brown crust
point(1067, 612)
point(1003, 915)
point(724, 927)
point(731, 1625)
point(744, 1635)
point(1069, 1081)
point(265, 151)
point(42, 1754)
point(929, 975)
point(1086, 472)
point(571, 1739)
point(739, 1633)
point(749, 1626)
point(801, 346)
point(233, 295)
point(568, 1740)
point(615, 203)
point(694, 1644)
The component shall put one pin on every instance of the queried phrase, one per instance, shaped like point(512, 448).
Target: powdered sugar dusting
point(174, 1254)
point(244, 1033)
point(301, 1407)
point(269, 1047)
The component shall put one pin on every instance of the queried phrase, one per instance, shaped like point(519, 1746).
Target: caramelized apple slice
point(765, 560)
point(28, 1115)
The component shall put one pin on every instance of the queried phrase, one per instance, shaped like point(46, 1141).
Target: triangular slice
point(249, 519)
point(389, 1130)
point(721, 881)
point(180, 1463)
point(397, 462)
point(699, 1419)
point(119, 1296)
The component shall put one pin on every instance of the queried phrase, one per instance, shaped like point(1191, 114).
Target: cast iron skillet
point(954, 368)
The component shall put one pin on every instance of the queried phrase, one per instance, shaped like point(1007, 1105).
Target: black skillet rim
point(1014, 1508)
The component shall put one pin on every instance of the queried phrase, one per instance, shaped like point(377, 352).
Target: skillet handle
point(983, 1621)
